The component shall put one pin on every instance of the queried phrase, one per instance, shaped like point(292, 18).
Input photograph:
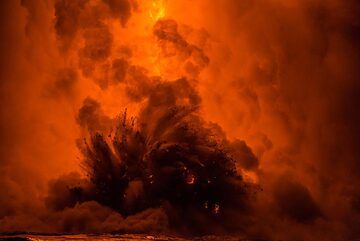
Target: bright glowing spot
point(190, 179)
point(216, 209)
point(157, 10)
point(250, 176)
point(206, 205)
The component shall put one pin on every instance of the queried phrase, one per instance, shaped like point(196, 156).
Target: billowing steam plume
point(185, 117)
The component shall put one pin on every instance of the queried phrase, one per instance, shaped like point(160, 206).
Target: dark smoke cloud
point(63, 191)
point(64, 84)
point(244, 155)
point(91, 117)
point(119, 68)
point(173, 44)
point(139, 84)
point(72, 16)
point(292, 73)
point(295, 201)
point(87, 217)
point(87, 20)
point(98, 42)
point(120, 9)
point(170, 158)
point(281, 75)
point(97, 50)
point(67, 19)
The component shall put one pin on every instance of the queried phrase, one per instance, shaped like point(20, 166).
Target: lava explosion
point(167, 157)
point(227, 117)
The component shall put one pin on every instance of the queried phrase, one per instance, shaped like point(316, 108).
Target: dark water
point(124, 237)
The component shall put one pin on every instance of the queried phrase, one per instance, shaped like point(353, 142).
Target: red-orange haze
point(242, 117)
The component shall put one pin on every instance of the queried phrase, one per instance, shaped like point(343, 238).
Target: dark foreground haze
point(125, 237)
point(180, 118)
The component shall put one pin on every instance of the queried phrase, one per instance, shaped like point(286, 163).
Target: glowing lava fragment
point(216, 209)
point(190, 179)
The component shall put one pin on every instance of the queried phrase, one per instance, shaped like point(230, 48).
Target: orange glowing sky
point(280, 75)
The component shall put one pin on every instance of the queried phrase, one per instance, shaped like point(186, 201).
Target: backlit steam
point(181, 117)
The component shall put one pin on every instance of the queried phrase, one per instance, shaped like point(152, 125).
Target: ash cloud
point(173, 44)
point(72, 16)
point(279, 79)
point(88, 21)
point(131, 167)
point(168, 158)
point(120, 68)
point(295, 201)
point(64, 84)
point(139, 84)
point(67, 21)
point(120, 9)
point(291, 71)
point(91, 117)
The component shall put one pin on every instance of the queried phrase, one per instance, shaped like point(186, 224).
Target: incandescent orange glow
point(157, 10)
point(234, 116)
point(190, 179)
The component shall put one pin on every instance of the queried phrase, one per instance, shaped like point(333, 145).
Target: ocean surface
point(123, 237)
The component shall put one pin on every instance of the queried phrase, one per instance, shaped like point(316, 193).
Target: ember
point(190, 179)
point(216, 209)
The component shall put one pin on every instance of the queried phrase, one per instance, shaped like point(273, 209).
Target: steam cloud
point(241, 117)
